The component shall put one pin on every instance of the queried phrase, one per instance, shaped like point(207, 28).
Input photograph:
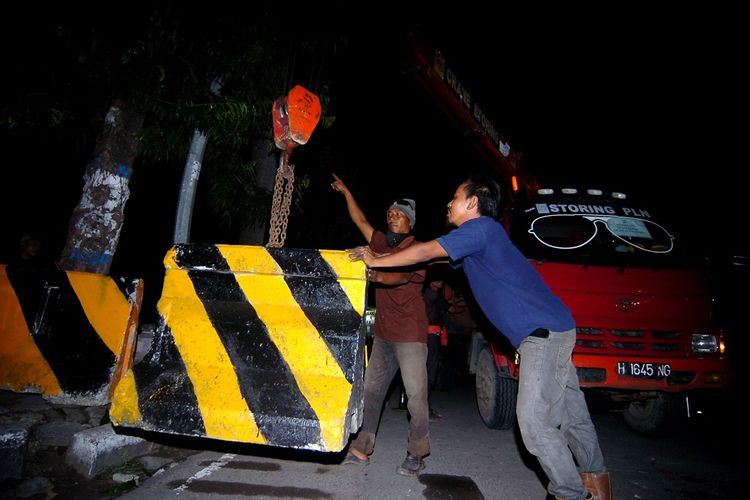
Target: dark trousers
point(433, 360)
point(386, 359)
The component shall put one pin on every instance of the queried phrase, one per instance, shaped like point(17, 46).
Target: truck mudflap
point(65, 334)
point(254, 344)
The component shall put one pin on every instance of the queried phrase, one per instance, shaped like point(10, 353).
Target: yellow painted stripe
point(22, 365)
point(124, 409)
point(169, 262)
point(225, 412)
point(314, 368)
point(351, 275)
point(105, 306)
point(249, 259)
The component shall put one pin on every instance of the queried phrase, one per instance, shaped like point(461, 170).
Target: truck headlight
point(705, 343)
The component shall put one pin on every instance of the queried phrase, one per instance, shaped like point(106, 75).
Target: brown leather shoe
point(598, 484)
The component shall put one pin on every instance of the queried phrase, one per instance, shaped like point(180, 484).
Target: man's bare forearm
point(416, 253)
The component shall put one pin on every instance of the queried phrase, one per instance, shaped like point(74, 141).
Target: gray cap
point(408, 207)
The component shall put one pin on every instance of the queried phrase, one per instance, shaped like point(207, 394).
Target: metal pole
point(190, 176)
point(188, 188)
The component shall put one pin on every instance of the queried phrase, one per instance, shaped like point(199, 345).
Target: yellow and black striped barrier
point(66, 334)
point(254, 344)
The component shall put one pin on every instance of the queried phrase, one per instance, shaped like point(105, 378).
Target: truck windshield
point(568, 232)
point(594, 233)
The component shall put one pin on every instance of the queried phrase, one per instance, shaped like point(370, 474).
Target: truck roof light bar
point(569, 190)
point(619, 196)
point(545, 191)
point(594, 192)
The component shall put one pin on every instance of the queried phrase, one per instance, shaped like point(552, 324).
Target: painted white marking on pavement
point(207, 471)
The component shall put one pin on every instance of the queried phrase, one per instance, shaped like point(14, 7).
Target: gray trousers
point(553, 416)
point(386, 359)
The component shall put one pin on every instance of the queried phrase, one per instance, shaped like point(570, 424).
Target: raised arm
point(356, 214)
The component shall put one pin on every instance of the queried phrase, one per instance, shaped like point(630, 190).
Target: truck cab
point(646, 332)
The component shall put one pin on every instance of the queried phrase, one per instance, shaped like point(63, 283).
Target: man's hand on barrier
point(356, 253)
point(359, 253)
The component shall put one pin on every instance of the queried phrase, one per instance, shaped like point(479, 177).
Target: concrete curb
point(94, 450)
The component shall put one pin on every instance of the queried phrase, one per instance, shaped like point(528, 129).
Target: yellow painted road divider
point(66, 334)
point(254, 344)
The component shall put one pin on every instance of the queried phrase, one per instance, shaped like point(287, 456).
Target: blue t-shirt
point(509, 290)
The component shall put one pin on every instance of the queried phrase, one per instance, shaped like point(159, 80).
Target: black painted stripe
point(166, 398)
point(28, 285)
point(75, 352)
point(315, 287)
point(281, 411)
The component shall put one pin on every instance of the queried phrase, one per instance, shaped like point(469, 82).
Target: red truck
point(647, 338)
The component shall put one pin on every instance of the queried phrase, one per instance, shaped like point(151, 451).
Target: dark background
point(635, 99)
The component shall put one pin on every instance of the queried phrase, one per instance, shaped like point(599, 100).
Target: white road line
point(207, 471)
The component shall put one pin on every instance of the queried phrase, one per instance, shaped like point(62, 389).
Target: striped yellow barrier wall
point(66, 334)
point(254, 344)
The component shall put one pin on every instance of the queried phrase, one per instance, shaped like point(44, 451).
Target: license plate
point(644, 370)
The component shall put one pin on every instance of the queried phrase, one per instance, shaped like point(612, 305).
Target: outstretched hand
point(363, 253)
point(357, 253)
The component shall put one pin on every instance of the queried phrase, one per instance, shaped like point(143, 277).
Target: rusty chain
point(282, 202)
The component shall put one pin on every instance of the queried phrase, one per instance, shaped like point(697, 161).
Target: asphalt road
point(704, 459)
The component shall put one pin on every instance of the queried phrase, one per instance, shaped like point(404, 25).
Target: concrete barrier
point(254, 344)
point(66, 334)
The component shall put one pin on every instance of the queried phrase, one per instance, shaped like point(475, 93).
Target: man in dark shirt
point(400, 340)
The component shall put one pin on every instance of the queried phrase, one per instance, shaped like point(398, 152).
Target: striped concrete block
point(257, 345)
point(66, 334)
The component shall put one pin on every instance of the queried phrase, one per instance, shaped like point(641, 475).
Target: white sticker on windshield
point(541, 208)
point(633, 228)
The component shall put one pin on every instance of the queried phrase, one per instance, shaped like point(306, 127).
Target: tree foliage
point(163, 59)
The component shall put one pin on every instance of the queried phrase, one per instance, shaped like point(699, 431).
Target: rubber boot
point(597, 484)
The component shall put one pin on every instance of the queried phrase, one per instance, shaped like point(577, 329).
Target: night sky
point(636, 100)
point(646, 102)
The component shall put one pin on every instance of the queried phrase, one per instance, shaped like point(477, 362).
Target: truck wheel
point(496, 394)
point(654, 416)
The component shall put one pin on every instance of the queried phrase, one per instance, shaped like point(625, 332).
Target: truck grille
point(655, 342)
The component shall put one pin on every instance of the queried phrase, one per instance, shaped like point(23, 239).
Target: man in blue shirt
point(551, 409)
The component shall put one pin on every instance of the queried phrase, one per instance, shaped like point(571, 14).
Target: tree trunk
point(94, 229)
point(265, 177)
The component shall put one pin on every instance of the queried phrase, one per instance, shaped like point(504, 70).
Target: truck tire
point(654, 416)
point(496, 394)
